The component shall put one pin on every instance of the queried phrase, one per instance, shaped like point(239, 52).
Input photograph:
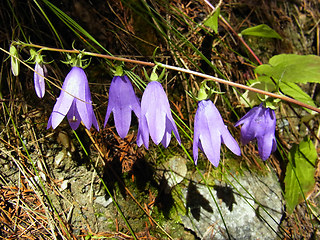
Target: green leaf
point(283, 68)
point(294, 91)
point(250, 98)
point(212, 21)
point(292, 68)
point(299, 180)
point(262, 30)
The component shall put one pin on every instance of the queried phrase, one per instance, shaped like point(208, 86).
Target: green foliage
point(212, 21)
point(261, 30)
point(294, 91)
point(292, 68)
point(282, 74)
point(74, 26)
point(300, 172)
point(250, 98)
point(288, 88)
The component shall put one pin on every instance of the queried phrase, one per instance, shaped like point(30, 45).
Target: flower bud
point(15, 63)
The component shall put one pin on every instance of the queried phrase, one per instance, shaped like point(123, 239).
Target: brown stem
point(235, 33)
point(179, 69)
point(238, 85)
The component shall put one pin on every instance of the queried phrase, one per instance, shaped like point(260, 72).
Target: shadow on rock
point(226, 195)
point(195, 201)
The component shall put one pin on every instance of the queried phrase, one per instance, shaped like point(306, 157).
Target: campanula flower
point(122, 100)
point(259, 123)
point(74, 101)
point(156, 118)
point(209, 132)
point(40, 71)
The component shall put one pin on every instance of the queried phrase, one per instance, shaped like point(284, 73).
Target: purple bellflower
point(209, 132)
point(74, 101)
point(40, 71)
point(259, 123)
point(122, 100)
point(156, 118)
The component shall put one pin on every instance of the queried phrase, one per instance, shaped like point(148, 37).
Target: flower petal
point(229, 141)
point(167, 134)
point(156, 124)
point(73, 116)
point(267, 143)
point(83, 103)
point(60, 109)
point(129, 96)
point(155, 109)
point(153, 103)
point(143, 133)
point(196, 132)
point(114, 97)
point(75, 91)
point(260, 123)
point(252, 124)
point(49, 125)
point(172, 127)
point(122, 100)
point(248, 116)
point(211, 144)
point(122, 120)
point(209, 132)
point(70, 89)
point(39, 83)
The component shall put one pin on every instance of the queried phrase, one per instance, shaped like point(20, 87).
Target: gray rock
point(102, 201)
point(243, 216)
point(176, 170)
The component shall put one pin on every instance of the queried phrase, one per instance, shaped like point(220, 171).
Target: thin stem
point(105, 186)
point(75, 51)
point(238, 85)
point(179, 69)
point(235, 33)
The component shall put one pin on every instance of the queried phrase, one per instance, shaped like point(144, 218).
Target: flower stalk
point(179, 69)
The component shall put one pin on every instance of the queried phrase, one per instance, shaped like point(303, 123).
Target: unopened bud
point(15, 63)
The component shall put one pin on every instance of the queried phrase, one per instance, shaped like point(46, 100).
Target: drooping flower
point(209, 132)
point(40, 71)
point(74, 101)
point(155, 118)
point(122, 100)
point(259, 123)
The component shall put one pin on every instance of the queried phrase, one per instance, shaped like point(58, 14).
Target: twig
point(235, 33)
point(178, 69)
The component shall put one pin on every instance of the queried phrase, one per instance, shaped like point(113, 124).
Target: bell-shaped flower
point(259, 123)
point(122, 100)
point(209, 132)
point(40, 71)
point(74, 101)
point(155, 118)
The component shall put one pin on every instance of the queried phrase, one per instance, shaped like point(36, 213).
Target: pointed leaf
point(299, 180)
point(212, 21)
point(262, 30)
point(294, 91)
point(292, 68)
